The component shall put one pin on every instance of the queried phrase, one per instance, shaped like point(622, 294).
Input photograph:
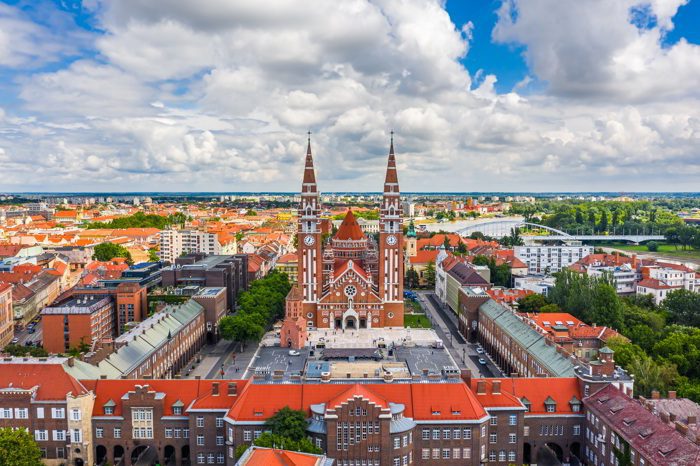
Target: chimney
point(232, 389)
point(481, 387)
point(664, 417)
point(70, 362)
point(496, 387)
point(467, 376)
point(682, 428)
point(215, 388)
point(654, 394)
point(671, 394)
point(672, 417)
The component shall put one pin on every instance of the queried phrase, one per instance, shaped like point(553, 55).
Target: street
point(24, 336)
point(445, 324)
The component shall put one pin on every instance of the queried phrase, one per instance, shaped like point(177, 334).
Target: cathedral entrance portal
point(350, 322)
point(338, 323)
point(363, 323)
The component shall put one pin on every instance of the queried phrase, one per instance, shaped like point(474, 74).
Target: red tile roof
point(194, 394)
point(536, 390)
point(646, 433)
point(259, 456)
point(51, 380)
point(423, 256)
point(655, 284)
point(349, 229)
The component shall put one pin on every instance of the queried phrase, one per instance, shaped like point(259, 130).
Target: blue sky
point(561, 95)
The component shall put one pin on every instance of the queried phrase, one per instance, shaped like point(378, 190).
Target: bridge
point(501, 228)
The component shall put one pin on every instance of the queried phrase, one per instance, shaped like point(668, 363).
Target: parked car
point(480, 350)
point(31, 330)
point(482, 361)
point(294, 353)
point(15, 340)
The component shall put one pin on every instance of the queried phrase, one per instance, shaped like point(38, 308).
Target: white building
point(660, 280)
point(174, 243)
point(625, 277)
point(550, 259)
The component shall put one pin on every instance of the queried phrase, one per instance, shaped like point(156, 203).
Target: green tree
point(411, 279)
point(683, 307)
point(429, 274)
point(153, 255)
point(107, 251)
point(251, 213)
point(652, 246)
point(18, 448)
point(269, 440)
point(240, 328)
point(288, 422)
point(550, 308)
point(532, 303)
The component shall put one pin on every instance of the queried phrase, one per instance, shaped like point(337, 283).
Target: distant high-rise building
point(175, 243)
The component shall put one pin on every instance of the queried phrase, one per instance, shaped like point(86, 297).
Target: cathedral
point(349, 280)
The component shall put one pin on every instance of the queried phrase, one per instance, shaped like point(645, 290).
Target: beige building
point(175, 243)
point(7, 324)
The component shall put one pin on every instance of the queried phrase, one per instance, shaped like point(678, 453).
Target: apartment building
point(550, 259)
point(53, 406)
point(662, 278)
point(7, 322)
point(175, 243)
point(619, 425)
point(230, 272)
point(81, 319)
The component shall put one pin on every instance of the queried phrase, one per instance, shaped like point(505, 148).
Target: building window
point(446, 434)
point(77, 436)
point(219, 440)
point(109, 410)
point(492, 455)
point(247, 435)
point(99, 432)
point(551, 408)
point(257, 434)
point(210, 458)
point(512, 438)
point(426, 434)
point(436, 434)
point(502, 455)
point(21, 413)
point(185, 433)
point(456, 453)
point(397, 443)
point(200, 421)
point(58, 413)
point(75, 414)
point(577, 430)
point(319, 442)
point(457, 434)
point(512, 420)
point(493, 438)
point(200, 458)
point(200, 440)
point(494, 420)
point(117, 432)
point(425, 453)
point(466, 453)
point(40, 413)
point(220, 458)
point(436, 453)
point(41, 435)
point(177, 410)
point(60, 452)
point(467, 433)
point(6, 413)
point(59, 435)
point(219, 422)
point(511, 455)
point(169, 432)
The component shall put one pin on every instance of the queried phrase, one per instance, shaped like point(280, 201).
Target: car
point(30, 326)
point(482, 361)
point(28, 343)
point(480, 350)
point(31, 330)
point(294, 353)
point(15, 340)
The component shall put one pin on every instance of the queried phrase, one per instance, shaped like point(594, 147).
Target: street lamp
point(222, 371)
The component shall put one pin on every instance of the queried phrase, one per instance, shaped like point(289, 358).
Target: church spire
point(391, 181)
point(309, 184)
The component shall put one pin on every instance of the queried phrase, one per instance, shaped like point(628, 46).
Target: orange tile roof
point(424, 256)
point(349, 229)
point(194, 394)
point(654, 283)
point(51, 380)
point(274, 457)
point(536, 390)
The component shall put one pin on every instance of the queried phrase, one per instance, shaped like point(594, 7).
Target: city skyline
point(105, 96)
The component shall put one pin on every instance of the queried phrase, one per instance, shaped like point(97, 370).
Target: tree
point(240, 328)
point(153, 255)
point(251, 213)
point(269, 440)
point(652, 246)
point(550, 308)
point(411, 278)
point(429, 274)
point(288, 422)
point(18, 448)
point(532, 303)
point(683, 307)
point(105, 252)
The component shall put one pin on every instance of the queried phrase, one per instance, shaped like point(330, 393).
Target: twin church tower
point(350, 281)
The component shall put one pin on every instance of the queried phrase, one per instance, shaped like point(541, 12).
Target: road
point(24, 336)
point(463, 352)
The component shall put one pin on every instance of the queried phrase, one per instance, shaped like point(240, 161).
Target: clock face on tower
point(391, 240)
point(309, 240)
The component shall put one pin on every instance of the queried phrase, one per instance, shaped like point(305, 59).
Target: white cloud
point(218, 95)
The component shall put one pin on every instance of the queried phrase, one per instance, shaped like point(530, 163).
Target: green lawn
point(416, 321)
point(668, 249)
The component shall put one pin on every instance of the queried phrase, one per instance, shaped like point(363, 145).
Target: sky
point(483, 95)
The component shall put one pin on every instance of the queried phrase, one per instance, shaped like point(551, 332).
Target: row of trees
point(142, 220)
point(258, 307)
point(107, 251)
point(662, 344)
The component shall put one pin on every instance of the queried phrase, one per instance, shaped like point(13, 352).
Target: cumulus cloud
point(218, 95)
